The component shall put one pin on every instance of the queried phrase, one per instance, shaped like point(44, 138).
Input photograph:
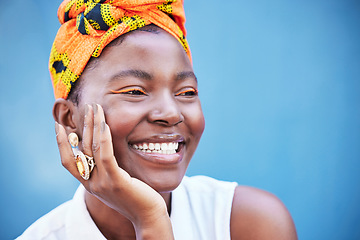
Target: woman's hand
point(134, 199)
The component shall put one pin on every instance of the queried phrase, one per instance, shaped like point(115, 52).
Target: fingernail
point(56, 128)
point(102, 126)
point(86, 109)
point(95, 107)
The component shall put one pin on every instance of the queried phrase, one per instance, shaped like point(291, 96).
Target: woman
point(124, 84)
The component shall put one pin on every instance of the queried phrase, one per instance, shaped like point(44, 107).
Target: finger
point(96, 133)
point(103, 142)
point(98, 118)
point(106, 149)
point(87, 138)
point(66, 154)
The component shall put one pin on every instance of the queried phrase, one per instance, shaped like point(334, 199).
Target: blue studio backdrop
point(279, 83)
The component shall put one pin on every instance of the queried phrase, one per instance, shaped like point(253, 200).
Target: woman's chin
point(164, 184)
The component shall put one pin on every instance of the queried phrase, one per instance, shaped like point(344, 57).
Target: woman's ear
point(66, 114)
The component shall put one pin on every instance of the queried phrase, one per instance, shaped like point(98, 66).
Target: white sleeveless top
point(201, 208)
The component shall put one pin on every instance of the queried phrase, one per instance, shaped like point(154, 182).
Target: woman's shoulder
point(258, 214)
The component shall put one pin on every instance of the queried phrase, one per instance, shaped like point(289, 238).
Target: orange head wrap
point(89, 25)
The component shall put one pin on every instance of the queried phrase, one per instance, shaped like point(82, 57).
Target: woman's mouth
point(159, 148)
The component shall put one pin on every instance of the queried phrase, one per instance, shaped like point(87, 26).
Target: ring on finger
point(84, 163)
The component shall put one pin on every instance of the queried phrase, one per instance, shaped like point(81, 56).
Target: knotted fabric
point(89, 25)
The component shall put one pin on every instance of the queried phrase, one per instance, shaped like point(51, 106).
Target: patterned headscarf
point(89, 25)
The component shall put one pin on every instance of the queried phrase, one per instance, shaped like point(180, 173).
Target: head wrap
point(89, 25)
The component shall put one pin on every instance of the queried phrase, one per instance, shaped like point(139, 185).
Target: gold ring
point(84, 163)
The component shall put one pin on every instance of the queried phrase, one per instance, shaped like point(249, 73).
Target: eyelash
point(192, 92)
point(132, 91)
point(136, 91)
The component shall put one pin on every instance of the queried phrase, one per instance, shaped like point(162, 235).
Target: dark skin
point(149, 96)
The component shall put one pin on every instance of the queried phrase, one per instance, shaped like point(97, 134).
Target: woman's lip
point(168, 159)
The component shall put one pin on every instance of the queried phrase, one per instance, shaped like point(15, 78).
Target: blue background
point(279, 83)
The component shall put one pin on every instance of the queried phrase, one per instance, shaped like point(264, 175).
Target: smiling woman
point(136, 110)
point(145, 103)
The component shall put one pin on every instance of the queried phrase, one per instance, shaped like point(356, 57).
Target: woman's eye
point(189, 92)
point(132, 91)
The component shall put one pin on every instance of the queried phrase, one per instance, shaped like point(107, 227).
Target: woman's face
point(148, 90)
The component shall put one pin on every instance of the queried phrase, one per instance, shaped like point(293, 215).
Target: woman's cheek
point(196, 120)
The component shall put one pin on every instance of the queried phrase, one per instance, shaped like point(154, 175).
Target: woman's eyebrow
point(147, 76)
point(131, 73)
point(185, 75)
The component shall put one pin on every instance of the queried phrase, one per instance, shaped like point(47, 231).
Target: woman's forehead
point(144, 38)
point(141, 47)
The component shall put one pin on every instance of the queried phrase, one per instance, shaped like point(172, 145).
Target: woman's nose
point(166, 111)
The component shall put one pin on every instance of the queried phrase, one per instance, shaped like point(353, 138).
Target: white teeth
point(171, 145)
point(151, 146)
point(163, 148)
